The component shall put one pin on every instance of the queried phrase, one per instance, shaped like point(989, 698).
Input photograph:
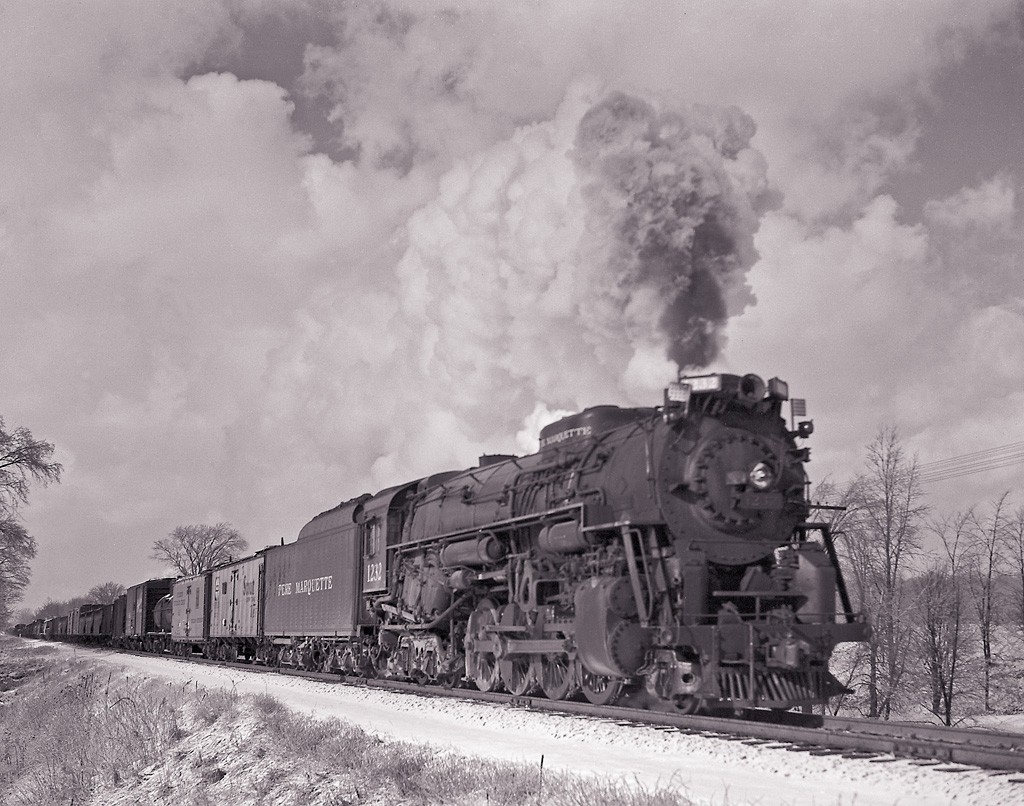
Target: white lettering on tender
point(569, 433)
point(311, 586)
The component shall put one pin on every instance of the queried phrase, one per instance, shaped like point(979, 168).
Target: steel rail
point(851, 737)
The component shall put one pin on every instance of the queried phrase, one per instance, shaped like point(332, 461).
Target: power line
point(976, 462)
point(929, 466)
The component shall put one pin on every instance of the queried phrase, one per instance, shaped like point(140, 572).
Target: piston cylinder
point(562, 538)
point(481, 550)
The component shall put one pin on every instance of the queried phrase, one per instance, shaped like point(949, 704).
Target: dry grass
point(71, 729)
point(75, 736)
point(20, 661)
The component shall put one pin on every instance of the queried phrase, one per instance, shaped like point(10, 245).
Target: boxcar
point(190, 613)
point(60, 627)
point(140, 627)
point(236, 595)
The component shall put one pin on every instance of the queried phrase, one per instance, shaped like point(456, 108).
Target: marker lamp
point(778, 389)
point(678, 393)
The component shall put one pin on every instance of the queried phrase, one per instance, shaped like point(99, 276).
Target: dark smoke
point(659, 183)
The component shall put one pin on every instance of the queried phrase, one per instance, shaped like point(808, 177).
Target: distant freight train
point(662, 552)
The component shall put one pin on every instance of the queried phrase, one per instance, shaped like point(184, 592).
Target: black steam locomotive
point(660, 553)
point(663, 549)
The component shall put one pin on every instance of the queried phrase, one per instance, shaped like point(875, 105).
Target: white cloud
point(990, 206)
point(218, 324)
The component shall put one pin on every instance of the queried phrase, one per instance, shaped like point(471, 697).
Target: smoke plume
point(665, 187)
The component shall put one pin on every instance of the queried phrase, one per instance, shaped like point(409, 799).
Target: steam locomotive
point(663, 554)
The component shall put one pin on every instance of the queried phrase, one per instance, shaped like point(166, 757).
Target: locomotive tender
point(662, 553)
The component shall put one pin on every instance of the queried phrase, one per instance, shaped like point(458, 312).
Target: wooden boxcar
point(236, 595)
point(190, 613)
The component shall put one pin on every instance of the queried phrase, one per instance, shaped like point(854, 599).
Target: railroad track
point(945, 749)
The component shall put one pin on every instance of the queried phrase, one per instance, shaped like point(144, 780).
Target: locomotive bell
point(752, 390)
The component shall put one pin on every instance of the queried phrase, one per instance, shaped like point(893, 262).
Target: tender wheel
point(482, 665)
point(557, 676)
point(600, 689)
point(686, 704)
point(516, 670)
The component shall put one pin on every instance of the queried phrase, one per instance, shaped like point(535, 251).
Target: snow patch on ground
point(707, 770)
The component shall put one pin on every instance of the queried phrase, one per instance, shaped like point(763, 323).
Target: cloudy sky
point(256, 258)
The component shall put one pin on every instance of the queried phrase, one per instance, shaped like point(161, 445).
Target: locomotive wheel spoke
point(516, 672)
point(482, 666)
point(557, 677)
point(600, 689)
point(516, 675)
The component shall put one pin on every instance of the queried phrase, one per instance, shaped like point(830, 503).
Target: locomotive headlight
point(761, 476)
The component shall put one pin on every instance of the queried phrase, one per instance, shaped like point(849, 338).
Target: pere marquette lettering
point(306, 586)
point(569, 433)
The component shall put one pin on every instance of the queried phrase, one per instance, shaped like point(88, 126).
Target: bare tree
point(105, 592)
point(17, 548)
point(940, 609)
point(1015, 545)
point(191, 549)
point(991, 535)
point(61, 608)
point(882, 535)
point(23, 460)
point(51, 609)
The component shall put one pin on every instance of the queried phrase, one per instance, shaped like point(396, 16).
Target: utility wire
point(976, 462)
point(928, 466)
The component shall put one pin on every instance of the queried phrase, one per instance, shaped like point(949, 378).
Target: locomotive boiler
point(659, 552)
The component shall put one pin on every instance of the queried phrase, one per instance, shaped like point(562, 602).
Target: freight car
point(144, 625)
point(89, 623)
point(190, 614)
point(97, 623)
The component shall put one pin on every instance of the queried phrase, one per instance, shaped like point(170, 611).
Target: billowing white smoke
point(577, 262)
point(573, 260)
